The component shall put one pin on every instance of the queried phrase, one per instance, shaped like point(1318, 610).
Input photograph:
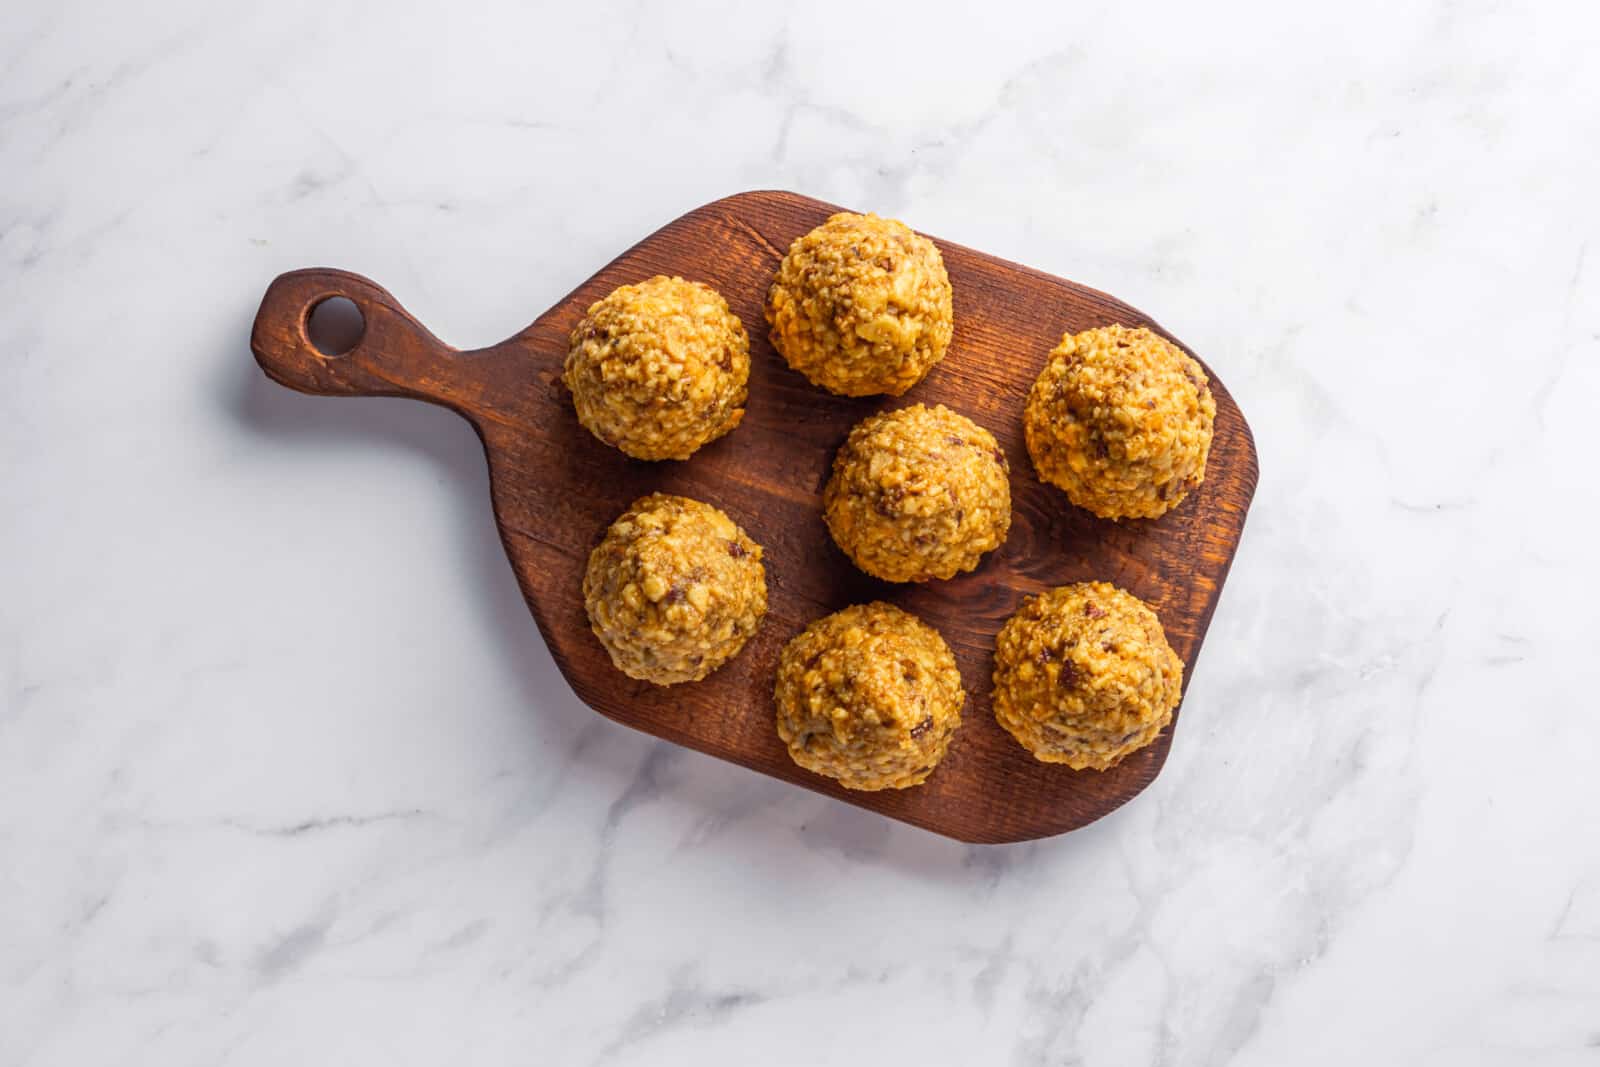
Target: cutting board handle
point(394, 356)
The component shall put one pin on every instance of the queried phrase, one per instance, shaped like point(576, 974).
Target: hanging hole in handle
point(335, 325)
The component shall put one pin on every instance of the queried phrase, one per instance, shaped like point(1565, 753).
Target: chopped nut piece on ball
point(1083, 675)
point(674, 589)
point(1121, 420)
point(861, 305)
point(659, 368)
point(918, 493)
point(868, 696)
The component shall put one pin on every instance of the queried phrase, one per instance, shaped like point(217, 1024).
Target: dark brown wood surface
point(556, 489)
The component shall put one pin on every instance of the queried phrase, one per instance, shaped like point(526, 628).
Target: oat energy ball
point(1121, 420)
point(674, 589)
point(869, 696)
point(861, 305)
point(1083, 675)
point(918, 493)
point(659, 368)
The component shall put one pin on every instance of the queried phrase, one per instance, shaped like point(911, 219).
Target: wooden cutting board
point(555, 490)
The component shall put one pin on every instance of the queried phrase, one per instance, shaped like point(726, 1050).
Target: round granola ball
point(674, 590)
point(659, 368)
point(861, 305)
point(868, 696)
point(918, 493)
point(1121, 420)
point(1083, 675)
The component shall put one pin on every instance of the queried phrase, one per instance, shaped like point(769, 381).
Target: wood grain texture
point(556, 489)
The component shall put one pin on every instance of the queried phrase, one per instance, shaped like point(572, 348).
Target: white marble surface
point(287, 776)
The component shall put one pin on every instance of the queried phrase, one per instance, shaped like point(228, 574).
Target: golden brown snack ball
point(1083, 675)
point(1121, 420)
point(861, 305)
point(659, 368)
point(674, 589)
point(868, 696)
point(918, 493)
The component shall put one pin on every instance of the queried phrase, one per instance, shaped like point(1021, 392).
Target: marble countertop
point(287, 775)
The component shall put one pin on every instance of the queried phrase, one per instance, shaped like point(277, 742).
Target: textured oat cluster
point(918, 493)
point(1083, 675)
point(674, 589)
point(659, 368)
point(861, 305)
point(868, 696)
point(1120, 419)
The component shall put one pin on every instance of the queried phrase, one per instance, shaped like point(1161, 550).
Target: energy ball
point(659, 368)
point(1121, 420)
point(918, 493)
point(868, 696)
point(674, 590)
point(861, 305)
point(1083, 675)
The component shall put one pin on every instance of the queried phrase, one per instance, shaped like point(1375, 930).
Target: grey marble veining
point(286, 774)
